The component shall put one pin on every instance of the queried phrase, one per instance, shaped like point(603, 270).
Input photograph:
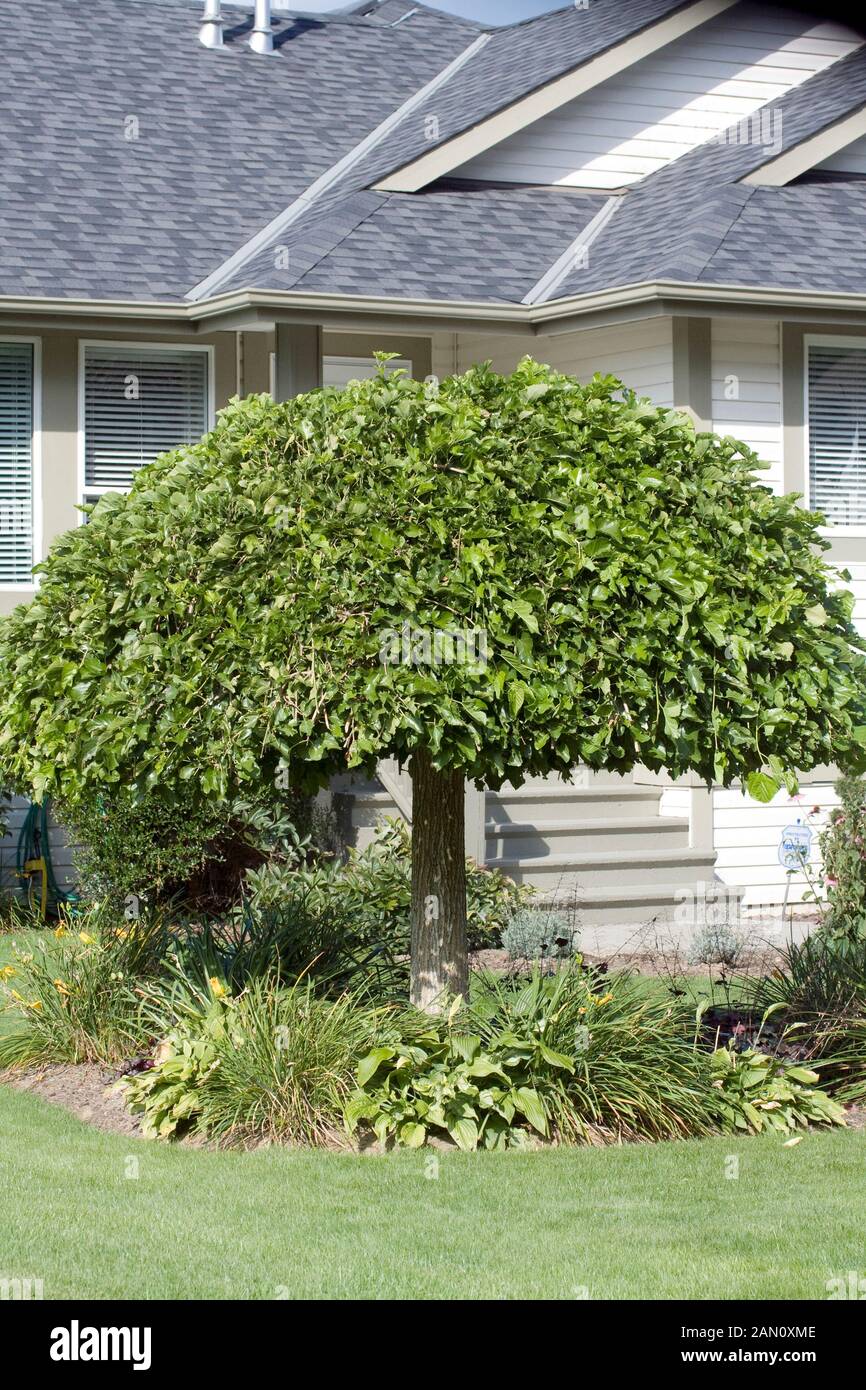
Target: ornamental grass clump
point(270, 1064)
point(75, 994)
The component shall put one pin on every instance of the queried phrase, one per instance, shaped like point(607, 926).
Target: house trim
point(36, 482)
point(123, 345)
point(453, 153)
point(255, 310)
point(808, 153)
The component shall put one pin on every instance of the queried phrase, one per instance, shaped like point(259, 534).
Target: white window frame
point(811, 340)
point(29, 586)
point(83, 491)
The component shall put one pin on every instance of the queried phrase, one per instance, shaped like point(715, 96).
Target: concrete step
point(623, 835)
point(608, 871)
point(636, 906)
point(524, 804)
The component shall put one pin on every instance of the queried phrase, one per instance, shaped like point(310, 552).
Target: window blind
point(137, 404)
point(16, 463)
point(837, 433)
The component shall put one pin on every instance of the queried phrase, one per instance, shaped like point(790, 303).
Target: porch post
point(299, 359)
point(693, 392)
point(475, 814)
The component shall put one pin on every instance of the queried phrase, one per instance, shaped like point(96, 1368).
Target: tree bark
point(440, 960)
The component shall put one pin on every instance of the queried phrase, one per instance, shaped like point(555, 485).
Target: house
point(204, 199)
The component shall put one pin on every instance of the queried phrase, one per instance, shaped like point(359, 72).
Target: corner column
point(299, 359)
point(693, 393)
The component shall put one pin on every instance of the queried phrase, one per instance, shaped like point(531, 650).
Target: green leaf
point(761, 787)
point(529, 1103)
point(370, 1064)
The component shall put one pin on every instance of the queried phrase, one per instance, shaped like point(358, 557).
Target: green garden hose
point(34, 857)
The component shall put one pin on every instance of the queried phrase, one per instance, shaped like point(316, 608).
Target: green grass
point(643, 1221)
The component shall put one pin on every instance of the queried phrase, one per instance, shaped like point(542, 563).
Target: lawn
point(642, 1221)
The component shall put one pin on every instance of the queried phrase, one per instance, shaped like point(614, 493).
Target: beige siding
point(640, 354)
point(669, 102)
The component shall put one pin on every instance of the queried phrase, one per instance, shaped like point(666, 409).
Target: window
point(138, 402)
point(16, 461)
point(836, 421)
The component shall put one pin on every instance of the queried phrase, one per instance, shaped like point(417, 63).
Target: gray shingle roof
point(228, 140)
point(225, 141)
point(671, 224)
point(444, 243)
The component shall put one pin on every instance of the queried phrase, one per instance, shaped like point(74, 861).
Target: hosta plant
point(755, 1092)
point(441, 1083)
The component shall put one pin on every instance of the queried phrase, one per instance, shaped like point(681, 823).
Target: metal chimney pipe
point(261, 39)
point(211, 31)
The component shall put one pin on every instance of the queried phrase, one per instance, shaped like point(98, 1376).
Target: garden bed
point(84, 1090)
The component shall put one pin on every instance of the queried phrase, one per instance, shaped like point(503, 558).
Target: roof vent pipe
point(261, 39)
point(211, 31)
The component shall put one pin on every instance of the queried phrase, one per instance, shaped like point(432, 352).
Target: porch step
point(572, 802)
point(609, 871)
point(623, 835)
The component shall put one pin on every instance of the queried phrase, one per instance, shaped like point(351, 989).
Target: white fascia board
point(281, 223)
point(803, 157)
point(450, 155)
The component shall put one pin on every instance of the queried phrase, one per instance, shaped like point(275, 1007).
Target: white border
point(35, 462)
point(824, 340)
point(122, 345)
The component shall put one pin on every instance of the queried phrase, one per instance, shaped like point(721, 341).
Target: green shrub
point(569, 1057)
point(843, 853)
point(536, 934)
point(142, 846)
point(755, 1092)
point(269, 1064)
point(818, 993)
point(300, 934)
point(373, 890)
point(76, 995)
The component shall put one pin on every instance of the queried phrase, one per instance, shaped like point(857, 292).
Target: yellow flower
point(218, 989)
point(8, 972)
point(19, 997)
point(60, 932)
point(61, 986)
point(86, 938)
point(35, 1004)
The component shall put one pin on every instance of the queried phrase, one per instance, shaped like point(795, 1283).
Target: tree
point(495, 576)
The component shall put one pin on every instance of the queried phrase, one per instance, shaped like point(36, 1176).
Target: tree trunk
point(440, 962)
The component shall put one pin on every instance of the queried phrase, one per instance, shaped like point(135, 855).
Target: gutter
point(667, 295)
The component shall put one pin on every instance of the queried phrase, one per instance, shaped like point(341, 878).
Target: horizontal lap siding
point(748, 835)
point(669, 102)
point(746, 362)
point(639, 354)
